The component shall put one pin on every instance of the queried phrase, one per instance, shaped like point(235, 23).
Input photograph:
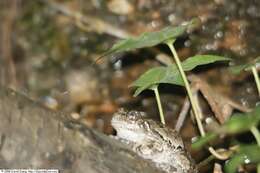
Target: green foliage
point(197, 60)
point(204, 140)
point(238, 68)
point(246, 154)
point(171, 74)
point(242, 122)
point(150, 39)
point(236, 124)
point(246, 67)
point(149, 79)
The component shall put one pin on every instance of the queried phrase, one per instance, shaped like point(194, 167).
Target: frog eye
point(131, 116)
point(146, 125)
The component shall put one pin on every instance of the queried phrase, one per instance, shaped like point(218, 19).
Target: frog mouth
point(127, 126)
point(124, 125)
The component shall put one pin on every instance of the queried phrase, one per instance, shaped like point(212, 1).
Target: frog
point(153, 141)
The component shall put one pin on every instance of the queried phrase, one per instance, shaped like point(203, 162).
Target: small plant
point(175, 74)
point(172, 74)
point(241, 154)
point(249, 66)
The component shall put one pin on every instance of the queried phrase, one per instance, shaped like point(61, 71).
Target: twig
point(215, 153)
point(183, 114)
point(87, 22)
point(9, 68)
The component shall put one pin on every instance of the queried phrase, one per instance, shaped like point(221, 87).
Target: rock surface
point(34, 137)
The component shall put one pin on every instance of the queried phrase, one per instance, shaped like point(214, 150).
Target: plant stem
point(194, 103)
point(256, 134)
point(253, 68)
point(254, 129)
point(159, 104)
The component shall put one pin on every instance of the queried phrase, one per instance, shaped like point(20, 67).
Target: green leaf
point(197, 60)
point(246, 154)
point(238, 68)
point(256, 63)
point(203, 140)
point(236, 124)
point(242, 122)
point(155, 76)
point(246, 67)
point(149, 79)
point(149, 39)
point(170, 74)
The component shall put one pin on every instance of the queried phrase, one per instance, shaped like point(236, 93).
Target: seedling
point(171, 74)
point(150, 39)
point(175, 74)
point(238, 123)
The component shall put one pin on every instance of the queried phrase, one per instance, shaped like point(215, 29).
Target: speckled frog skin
point(150, 140)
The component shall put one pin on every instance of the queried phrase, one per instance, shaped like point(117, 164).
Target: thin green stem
point(194, 103)
point(254, 129)
point(257, 81)
point(159, 104)
point(256, 134)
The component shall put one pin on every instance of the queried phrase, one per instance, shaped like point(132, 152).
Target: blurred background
point(48, 51)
